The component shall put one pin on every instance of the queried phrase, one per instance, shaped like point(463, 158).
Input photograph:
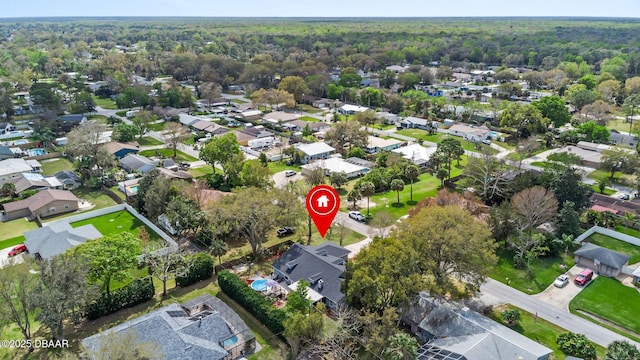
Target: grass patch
point(618, 124)
point(308, 119)
point(52, 166)
point(543, 272)
point(596, 189)
point(239, 101)
point(538, 330)
point(616, 245)
point(168, 153)
point(200, 171)
point(384, 127)
point(105, 103)
point(116, 223)
point(310, 109)
point(610, 300)
point(149, 141)
point(628, 231)
point(415, 133)
point(96, 197)
point(505, 145)
point(13, 228)
point(157, 126)
point(618, 177)
point(278, 166)
point(11, 242)
point(102, 119)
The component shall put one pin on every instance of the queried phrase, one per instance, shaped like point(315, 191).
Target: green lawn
point(543, 272)
point(239, 101)
point(596, 189)
point(618, 177)
point(200, 171)
point(538, 330)
point(149, 141)
point(96, 197)
point(616, 245)
point(105, 103)
point(310, 109)
point(117, 222)
point(309, 119)
point(102, 119)
point(278, 166)
point(11, 242)
point(610, 300)
point(168, 153)
point(618, 124)
point(416, 133)
point(52, 166)
point(13, 228)
point(157, 126)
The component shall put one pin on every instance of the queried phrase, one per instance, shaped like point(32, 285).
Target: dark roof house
point(618, 138)
point(322, 266)
point(139, 163)
point(202, 328)
point(6, 153)
point(56, 238)
point(602, 260)
point(69, 179)
point(451, 331)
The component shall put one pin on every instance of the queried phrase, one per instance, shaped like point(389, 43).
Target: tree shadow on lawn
point(411, 203)
point(398, 205)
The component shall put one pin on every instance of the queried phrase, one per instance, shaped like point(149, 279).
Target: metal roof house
point(202, 328)
point(322, 266)
point(315, 151)
point(449, 331)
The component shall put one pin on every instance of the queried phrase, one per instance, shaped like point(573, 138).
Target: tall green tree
point(397, 185)
point(449, 149)
point(295, 86)
point(18, 287)
point(220, 150)
point(553, 108)
point(367, 189)
point(402, 346)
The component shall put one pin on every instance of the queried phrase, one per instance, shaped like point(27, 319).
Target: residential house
point(35, 181)
point(315, 151)
point(6, 153)
point(348, 109)
point(175, 174)
point(6, 127)
point(187, 120)
point(258, 132)
point(615, 205)
point(11, 168)
point(299, 125)
point(452, 331)
point(277, 117)
point(35, 165)
point(471, 133)
point(56, 238)
point(600, 147)
point(322, 266)
point(243, 137)
point(202, 328)
point(120, 150)
point(45, 203)
point(397, 69)
point(331, 165)
point(618, 138)
point(323, 103)
point(412, 122)
point(137, 163)
point(388, 118)
point(251, 115)
point(376, 144)
point(417, 154)
point(69, 179)
point(209, 127)
point(601, 260)
point(67, 122)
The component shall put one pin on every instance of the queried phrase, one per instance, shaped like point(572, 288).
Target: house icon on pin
point(323, 201)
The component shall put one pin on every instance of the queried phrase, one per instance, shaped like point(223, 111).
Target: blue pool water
point(259, 285)
point(20, 142)
point(230, 341)
point(35, 152)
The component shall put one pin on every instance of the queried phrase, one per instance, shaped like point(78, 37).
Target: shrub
point(200, 267)
point(511, 316)
point(251, 300)
point(576, 345)
point(138, 291)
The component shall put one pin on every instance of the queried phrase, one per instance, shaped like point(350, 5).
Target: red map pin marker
point(323, 203)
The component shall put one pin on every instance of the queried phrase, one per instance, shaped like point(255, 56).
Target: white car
point(356, 215)
point(561, 281)
point(289, 173)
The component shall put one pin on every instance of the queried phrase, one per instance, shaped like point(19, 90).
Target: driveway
point(4, 258)
point(280, 180)
point(561, 297)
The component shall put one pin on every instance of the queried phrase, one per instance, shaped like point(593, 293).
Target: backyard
point(105, 103)
point(538, 330)
point(200, 171)
point(616, 245)
point(117, 222)
point(96, 197)
point(148, 141)
point(168, 153)
point(612, 301)
point(542, 273)
point(52, 166)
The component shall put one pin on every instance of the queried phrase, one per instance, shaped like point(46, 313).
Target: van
point(584, 277)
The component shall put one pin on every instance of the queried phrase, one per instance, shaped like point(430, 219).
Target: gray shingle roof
point(66, 176)
point(179, 333)
point(312, 263)
point(4, 150)
point(604, 255)
point(137, 162)
point(56, 238)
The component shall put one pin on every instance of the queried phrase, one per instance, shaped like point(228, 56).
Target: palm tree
point(218, 248)
point(411, 172)
point(566, 241)
point(367, 189)
point(354, 195)
point(397, 185)
point(402, 346)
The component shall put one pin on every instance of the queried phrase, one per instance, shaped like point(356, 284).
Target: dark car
point(285, 231)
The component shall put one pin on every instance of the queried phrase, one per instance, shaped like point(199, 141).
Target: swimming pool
point(20, 142)
point(259, 285)
point(230, 341)
point(35, 152)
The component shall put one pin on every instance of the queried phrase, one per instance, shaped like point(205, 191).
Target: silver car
point(561, 281)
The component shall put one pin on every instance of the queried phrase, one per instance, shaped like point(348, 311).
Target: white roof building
point(332, 165)
point(352, 109)
point(11, 168)
point(418, 154)
point(315, 149)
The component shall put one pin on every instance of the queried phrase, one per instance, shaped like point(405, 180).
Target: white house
point(377, 144)
point(332, 165)
point(471, 133)
point(416, 153)
point(13, 168)
point(315, 151)
point(348, 109)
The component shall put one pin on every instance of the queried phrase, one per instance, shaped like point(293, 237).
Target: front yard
point(612, 301)
point(117, 222)
point(168, 153)
point(200, 171)
point(13, 228)
point(538, 330)
point(616, 245)
point(426, 186)
point(148, 141)
point(543, 272)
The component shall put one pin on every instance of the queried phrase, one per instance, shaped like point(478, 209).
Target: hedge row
point(251, 300)
point(139, 291)
point(200, 268)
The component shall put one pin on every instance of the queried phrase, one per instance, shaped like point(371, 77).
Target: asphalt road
point(495, 293)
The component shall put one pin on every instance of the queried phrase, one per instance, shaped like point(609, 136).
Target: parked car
point(18, 249)
point(561, 281)
point(625, 197)
point(184, 166)
point(584, 277)
point(356, 215)
point(289, 173)
point(285, 231)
